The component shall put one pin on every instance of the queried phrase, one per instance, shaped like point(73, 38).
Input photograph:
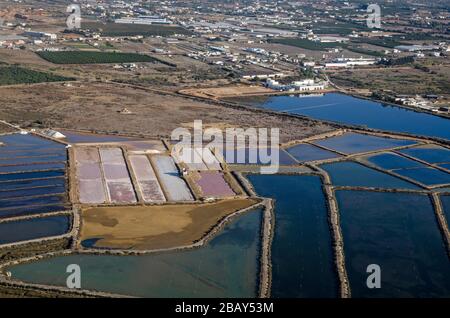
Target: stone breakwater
point(338, 241)
point(267, 232)
point(443, 226)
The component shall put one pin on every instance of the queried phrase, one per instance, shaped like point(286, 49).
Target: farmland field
point(357, 49)
point(387, 43)
point(87, 57)
point(119, 29)
point(11, 75)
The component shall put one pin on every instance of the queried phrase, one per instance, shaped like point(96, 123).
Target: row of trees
point(87, 57)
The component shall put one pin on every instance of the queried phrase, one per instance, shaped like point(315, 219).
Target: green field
point(360, 50)
point(11, 75)
point(87, 57)
point(119, 29)
point(307, 44)
point(384, 42)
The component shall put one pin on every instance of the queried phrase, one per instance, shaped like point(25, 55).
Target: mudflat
point(154, 227)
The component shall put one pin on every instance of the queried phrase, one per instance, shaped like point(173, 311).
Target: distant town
point(228, 149)
point(265, 42)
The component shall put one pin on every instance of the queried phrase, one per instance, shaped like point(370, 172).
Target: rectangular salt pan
point(54, 199)
point(116, 174)
point(426, 176)
point(30, 175)
point(89, 171)
point(147, 181)
point(430, 154)
point(213, 184)
point(121, 192)
point(142, 168)
point(306, 152)
point(151, 191)
point(91, 191)
point(209, 159)
point(32, 153)
point(29, 140)
point(34, 160)
point(34, 167)
point(390, 161)
point(24, 230)
point(257, 156)
point(9, 186)
point(29, 210)
point(32, 192)
point(191, 158)
point(111, 155)
point(351, 143)
point(88, 155)
point(90, 185)
point(175, 186)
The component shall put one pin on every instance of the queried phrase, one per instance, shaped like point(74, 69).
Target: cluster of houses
point(437, 50)
point(13, 41)
point(144, 20)
point(426, 102)
point(341, 62)
point(344, 62)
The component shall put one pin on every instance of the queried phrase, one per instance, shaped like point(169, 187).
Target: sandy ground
point(96, 106)
point(227, 91)
point(25, 58)
point(155, 227)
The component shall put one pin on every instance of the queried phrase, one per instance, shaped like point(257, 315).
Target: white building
point(415, 48)
point(40, 35)
point(331, 39)
point(309, 64)
point(144, 20)
point(307, 85)
point(262, 76)
point(53, 134)
point(349, 62)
